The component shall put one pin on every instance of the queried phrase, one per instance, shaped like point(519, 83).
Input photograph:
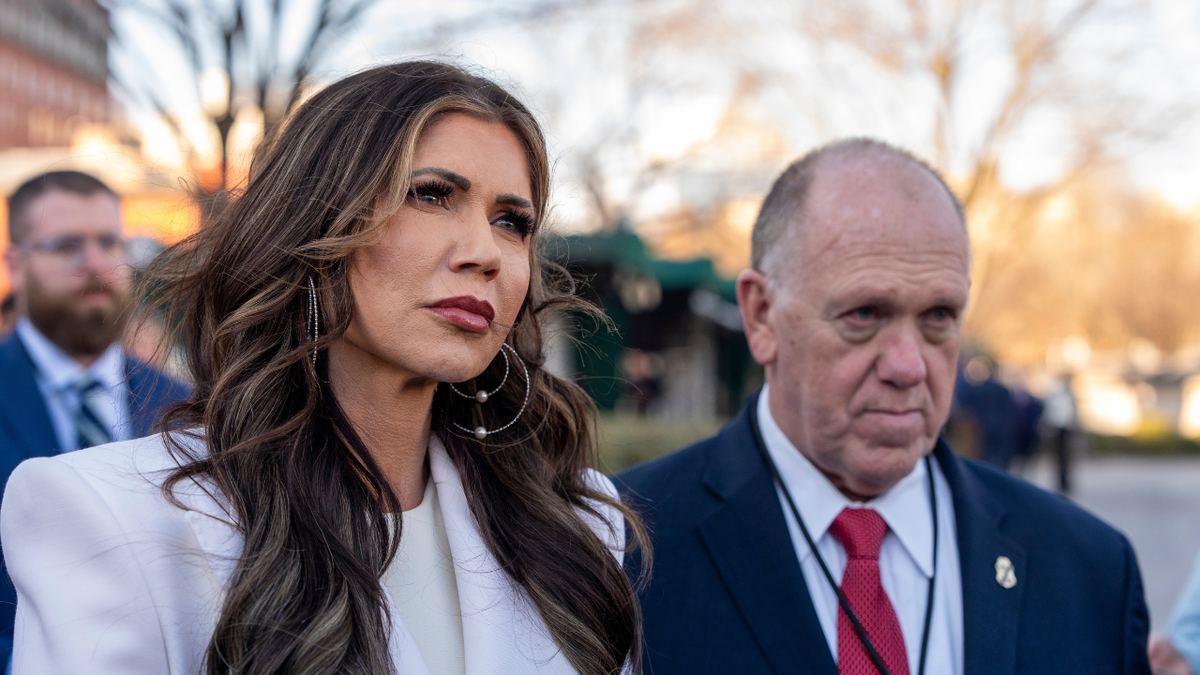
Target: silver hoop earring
point(314, 319)
point(482, 396)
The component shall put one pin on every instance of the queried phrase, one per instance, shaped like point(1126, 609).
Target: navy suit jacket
point(727, 594)
point(26, 431)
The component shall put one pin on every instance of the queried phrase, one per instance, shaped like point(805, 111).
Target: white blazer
point(112, 578)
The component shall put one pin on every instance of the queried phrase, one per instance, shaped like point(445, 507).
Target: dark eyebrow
point(513, 200)
point(459, 180)
point(463, 183)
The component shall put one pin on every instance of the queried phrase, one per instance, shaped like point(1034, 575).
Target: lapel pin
point(1006, 575)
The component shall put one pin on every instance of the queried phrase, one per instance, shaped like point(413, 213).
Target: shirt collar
point(905, 507)
point(58, 371)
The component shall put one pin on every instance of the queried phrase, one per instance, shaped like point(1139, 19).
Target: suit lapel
point(150, 392)
point(142, 397)
point(991, 612)
point(503, 632)
point(748, 540)
point(24, 407)
point(208, 516)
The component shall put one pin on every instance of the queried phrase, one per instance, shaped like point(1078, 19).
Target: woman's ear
point(756, 300)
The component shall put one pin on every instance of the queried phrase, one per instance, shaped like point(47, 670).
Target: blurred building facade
point(53, 70)
point(676, 348)
point(56, 114)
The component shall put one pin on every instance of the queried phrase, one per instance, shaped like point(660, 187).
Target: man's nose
point(901, 363)
point(96, 259)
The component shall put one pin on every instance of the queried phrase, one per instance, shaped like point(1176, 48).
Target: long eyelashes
point(437, 193)
point(431, 192)
point(520, 223)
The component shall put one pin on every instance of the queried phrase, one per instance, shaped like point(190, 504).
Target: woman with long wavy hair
point(374, 473)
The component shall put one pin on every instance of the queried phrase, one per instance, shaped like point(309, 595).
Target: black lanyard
point(845, 604)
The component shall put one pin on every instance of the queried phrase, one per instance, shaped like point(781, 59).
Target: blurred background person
point(65, 381)
point(8, 314)
point(642, 380)
point(1061, 419)
point(1028, 430)
point(979, 395)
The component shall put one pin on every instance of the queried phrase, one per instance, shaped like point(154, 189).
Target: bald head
point(836, 167)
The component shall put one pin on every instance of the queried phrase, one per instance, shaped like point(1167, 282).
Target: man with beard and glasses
point(65, 381)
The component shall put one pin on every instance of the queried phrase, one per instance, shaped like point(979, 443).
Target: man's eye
point(69, 246)
point(112, 243)
point(940, 315)
point(863, 314)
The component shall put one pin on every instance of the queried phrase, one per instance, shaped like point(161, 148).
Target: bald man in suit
point(828, 528)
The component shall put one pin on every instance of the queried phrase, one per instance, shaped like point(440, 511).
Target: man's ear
point(755, 299)
point(15, 263)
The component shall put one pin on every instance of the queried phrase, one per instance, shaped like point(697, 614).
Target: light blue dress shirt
point(1184, 630)
point(56, 374)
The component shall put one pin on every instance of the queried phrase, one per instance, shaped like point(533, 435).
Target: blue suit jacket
point(26, 431)
point(727, 594)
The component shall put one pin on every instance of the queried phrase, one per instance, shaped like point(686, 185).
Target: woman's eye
point(517, 223)
point(432, 194)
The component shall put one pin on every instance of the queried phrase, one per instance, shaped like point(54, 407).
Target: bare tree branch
point(209, 35)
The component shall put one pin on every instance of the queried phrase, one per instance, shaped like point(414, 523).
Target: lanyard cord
point(933, 510)
point(842, 601)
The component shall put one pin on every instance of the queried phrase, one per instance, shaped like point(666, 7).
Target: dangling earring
point(482, 396)
point(314, 319)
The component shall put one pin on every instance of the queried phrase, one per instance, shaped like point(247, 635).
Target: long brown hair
point(305, 596)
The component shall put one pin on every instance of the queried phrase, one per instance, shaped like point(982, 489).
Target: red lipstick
point(466, 312)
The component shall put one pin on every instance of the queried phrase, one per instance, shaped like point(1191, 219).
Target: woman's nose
point(477, 248)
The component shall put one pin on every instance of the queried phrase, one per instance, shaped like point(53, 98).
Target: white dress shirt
point(56, 374)
point(423, 586)
point(905, 559)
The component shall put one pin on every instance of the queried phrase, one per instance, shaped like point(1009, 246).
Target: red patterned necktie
point(861, 533)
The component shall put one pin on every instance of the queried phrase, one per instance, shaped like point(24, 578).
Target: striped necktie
point(88, 425)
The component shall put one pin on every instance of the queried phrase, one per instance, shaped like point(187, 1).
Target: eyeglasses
point(70, 250)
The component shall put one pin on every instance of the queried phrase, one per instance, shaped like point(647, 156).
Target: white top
point(56, 373)
point(114, 579)
point(421, 582)
point(905, 559)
